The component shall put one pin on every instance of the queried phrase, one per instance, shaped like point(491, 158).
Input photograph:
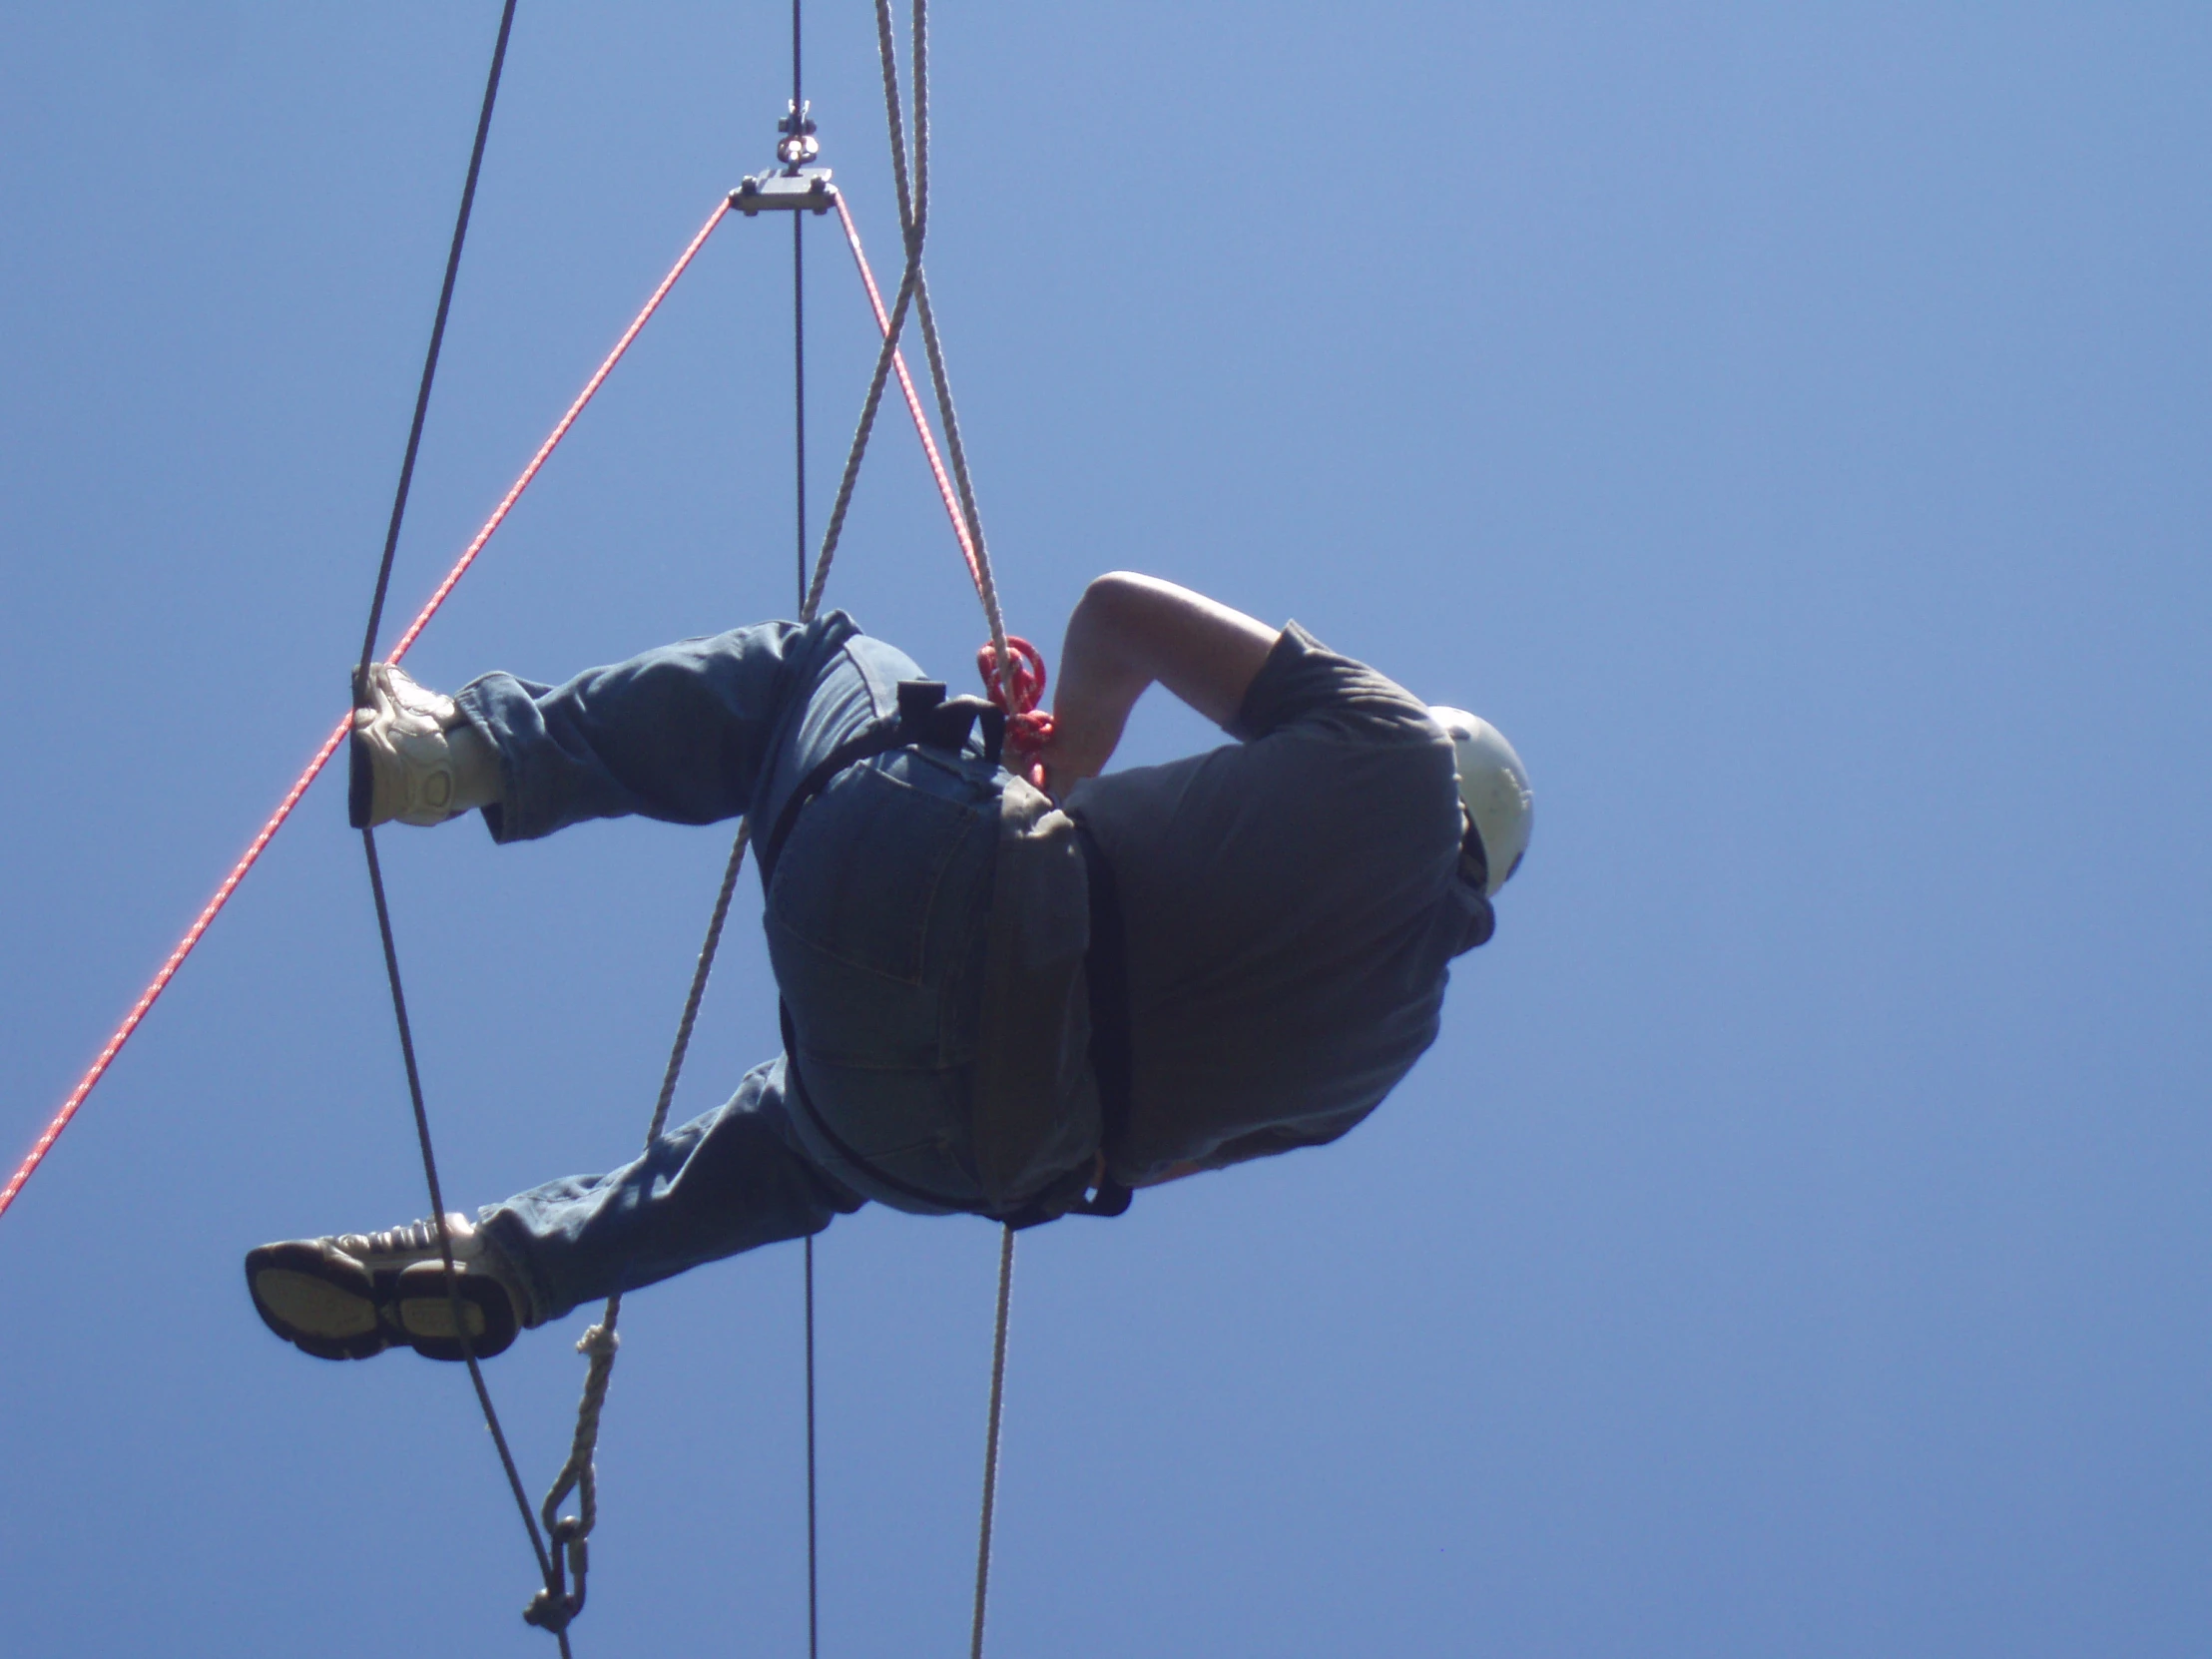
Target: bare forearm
point(1129, 632)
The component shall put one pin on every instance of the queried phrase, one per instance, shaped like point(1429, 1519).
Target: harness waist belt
point(1020, 1111)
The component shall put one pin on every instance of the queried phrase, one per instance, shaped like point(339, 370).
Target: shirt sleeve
point(1305, 684)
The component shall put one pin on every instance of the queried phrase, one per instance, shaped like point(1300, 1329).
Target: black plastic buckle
point(927, 716)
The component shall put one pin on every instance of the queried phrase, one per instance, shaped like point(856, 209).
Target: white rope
point(912, 208)
point(580, 1474)
point(986, 585)
point(600, 1343)
point(913, 219)
point(912, 188)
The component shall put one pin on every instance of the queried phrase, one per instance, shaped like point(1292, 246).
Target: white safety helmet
point(1493, 786)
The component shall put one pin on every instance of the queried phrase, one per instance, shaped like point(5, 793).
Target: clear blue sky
point(1789, 423)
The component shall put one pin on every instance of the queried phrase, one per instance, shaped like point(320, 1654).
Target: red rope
point(1028, 727)
point(499, 513)
point(914, 404)
point(152, 991)
point(176, 960)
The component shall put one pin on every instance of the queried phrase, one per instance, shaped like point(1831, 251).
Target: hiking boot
point(351, 1296)
point(415, 757)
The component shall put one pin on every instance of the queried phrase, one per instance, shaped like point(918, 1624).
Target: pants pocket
point(860, 878)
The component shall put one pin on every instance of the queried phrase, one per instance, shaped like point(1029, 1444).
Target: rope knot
point(553, 1611)
point(555, 1607)
point(598, 1342)
point(1028, 727)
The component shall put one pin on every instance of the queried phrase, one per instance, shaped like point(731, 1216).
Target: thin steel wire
point(813, 1617)
point(990, 1440)
point(799, 310)
point(368, 835)
point(799, 444)
point(437, 337)
point(438, 1203)
point(798, 387)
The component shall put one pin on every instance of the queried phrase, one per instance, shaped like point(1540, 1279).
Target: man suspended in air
point(1001, 996)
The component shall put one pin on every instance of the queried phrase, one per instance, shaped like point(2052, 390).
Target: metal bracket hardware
point(797, 145)
point(809, 190)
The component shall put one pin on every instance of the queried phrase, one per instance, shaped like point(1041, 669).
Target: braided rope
point(913, 290)
point(851, 473)
point(330, 745)
point(913, 219)
point(913, 209)
point(599, 1341)
point(943, 479)
point(986, 586)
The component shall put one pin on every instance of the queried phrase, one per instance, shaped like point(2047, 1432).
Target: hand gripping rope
point(1012, 670)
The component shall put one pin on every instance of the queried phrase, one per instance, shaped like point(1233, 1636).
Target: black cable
point(813, 1619)
point(799, 385)
point(799, 446)
point(437, 1206)
point(368, 837)
point(438, 338)
point(798, 131)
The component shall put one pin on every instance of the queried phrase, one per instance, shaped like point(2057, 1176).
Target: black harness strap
point(926, 716)
point(1106, 977)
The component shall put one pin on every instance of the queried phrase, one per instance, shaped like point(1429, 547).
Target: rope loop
point(578, 1474)
point(1018, 692)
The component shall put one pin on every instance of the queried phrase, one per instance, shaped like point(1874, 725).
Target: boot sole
point(424, 1313)
point(320, 1301)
